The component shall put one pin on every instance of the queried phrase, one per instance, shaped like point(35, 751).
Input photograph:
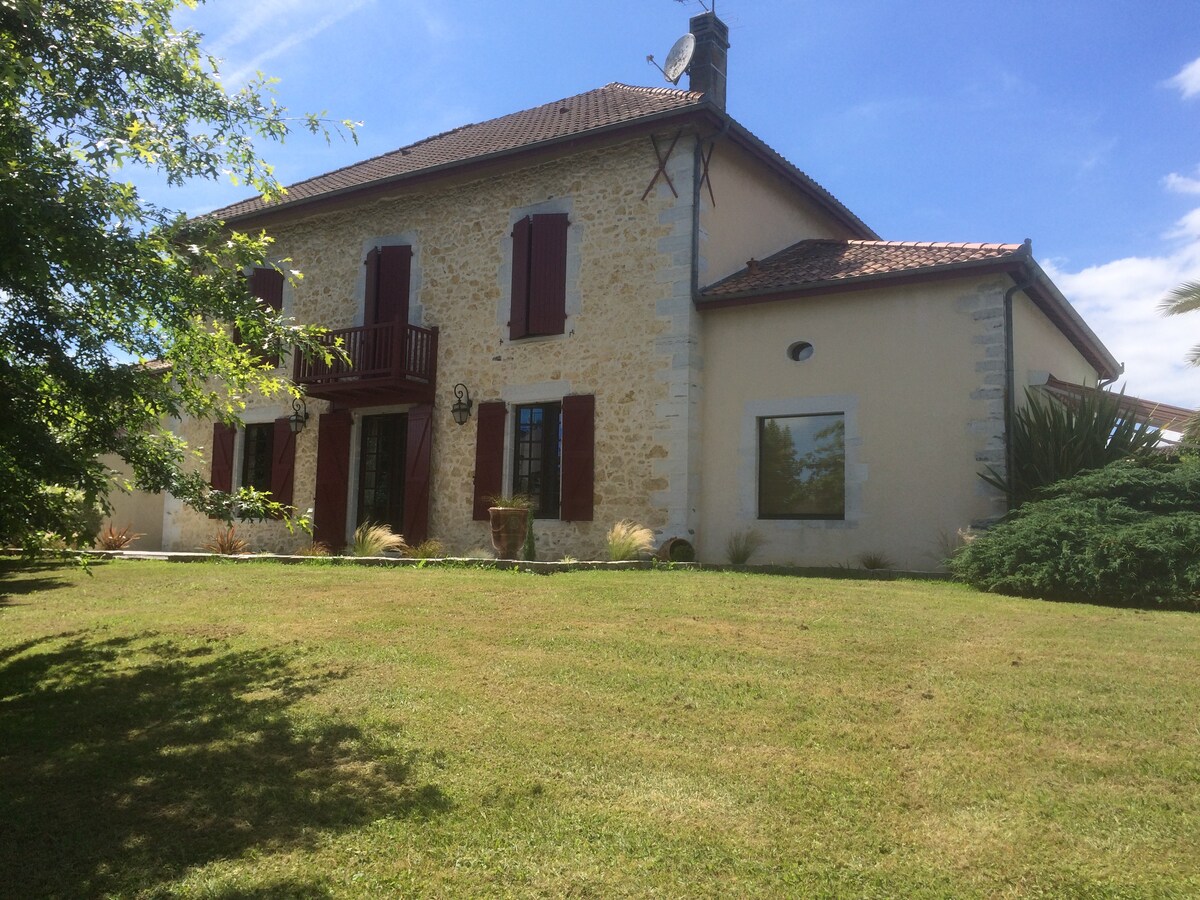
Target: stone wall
point(628, 305)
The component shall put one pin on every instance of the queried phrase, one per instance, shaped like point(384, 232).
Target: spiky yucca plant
point(629, 540)
point(227, 542)
point(371, 539)
point(1054, 439)
point(111, 539)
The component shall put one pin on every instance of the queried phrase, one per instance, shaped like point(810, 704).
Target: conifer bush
point(1126, 534)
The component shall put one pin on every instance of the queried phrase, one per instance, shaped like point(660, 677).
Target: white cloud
point(1182, 184)
point(1187, 80)
point(1120, 300)
point(259, 24)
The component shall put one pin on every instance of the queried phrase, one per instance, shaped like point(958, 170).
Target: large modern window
point(802, 466)
point(537, 456)
point(257, 457)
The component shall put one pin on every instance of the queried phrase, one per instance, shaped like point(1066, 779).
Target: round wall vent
point(800, 351)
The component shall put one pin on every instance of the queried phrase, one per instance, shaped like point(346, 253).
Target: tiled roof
point(817, 262)
point(612, 105)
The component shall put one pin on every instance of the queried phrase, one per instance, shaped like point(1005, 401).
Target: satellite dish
point(679, 57)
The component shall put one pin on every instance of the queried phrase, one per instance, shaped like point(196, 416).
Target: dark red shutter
point(419, 452)
point(548, 275)
point(283, 461)
point(395, 264)
point(333, 478)
point(578, 457)
point(222, 457)
point(489, 456)
point(518, 321)
point(267, 285)
point(371, 292)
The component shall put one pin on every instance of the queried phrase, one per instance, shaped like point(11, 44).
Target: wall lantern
point(461, 410)
point(299, 417)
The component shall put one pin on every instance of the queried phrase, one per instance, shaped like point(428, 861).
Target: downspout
point(697, 153)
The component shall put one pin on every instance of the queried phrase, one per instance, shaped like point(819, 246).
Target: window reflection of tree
point(806, 480)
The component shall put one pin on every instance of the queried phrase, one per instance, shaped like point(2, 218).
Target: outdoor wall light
point(299, 417)
point(461, 410)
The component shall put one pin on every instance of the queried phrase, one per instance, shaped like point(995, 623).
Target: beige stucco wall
point(756, 213)
point(1039, 348)
point(628, 340)
point(918, 371)
point(142, 511)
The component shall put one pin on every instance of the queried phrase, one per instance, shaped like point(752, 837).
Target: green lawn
point(263, 730)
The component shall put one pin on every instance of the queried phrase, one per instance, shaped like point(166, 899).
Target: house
point(654, 316)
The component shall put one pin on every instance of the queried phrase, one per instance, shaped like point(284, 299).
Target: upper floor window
point(266, 285)
point(388, 273)
point(539, 276)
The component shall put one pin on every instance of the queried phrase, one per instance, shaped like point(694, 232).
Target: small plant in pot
point(509, 514)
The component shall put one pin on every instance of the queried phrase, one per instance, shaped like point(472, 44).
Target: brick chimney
point(706, 74)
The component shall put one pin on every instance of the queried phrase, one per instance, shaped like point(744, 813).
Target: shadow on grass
point(21, 576)
point(126, 761)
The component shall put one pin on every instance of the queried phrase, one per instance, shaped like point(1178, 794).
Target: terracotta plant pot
point(508, 530)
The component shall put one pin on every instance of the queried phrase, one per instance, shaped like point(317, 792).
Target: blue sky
point(1072, 123)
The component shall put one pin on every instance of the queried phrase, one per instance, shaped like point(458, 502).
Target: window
point(389, 271)
point(381, 470)
point(553, 455)
point(257, 456)
point(268, 458)
point(267, 286)
point(802, 466)
point(537, 456)
point(539, 276)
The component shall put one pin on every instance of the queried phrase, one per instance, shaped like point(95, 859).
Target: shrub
point(875, 560)
point(316, 548)
point(510, 501)
point(1126, 534)
point(111, 539)
point(480, 553)
point(743, 544)
point(629, 540)
point(226, 542)
point(371, 539)
point(430, 549)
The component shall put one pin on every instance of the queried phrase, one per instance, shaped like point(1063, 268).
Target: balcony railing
point(387, 358)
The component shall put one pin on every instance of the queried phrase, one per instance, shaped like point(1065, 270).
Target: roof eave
point(1051, 301)
point(861, 283)
point(701, 110)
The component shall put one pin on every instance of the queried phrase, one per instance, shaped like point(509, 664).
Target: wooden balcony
point(388, 363)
